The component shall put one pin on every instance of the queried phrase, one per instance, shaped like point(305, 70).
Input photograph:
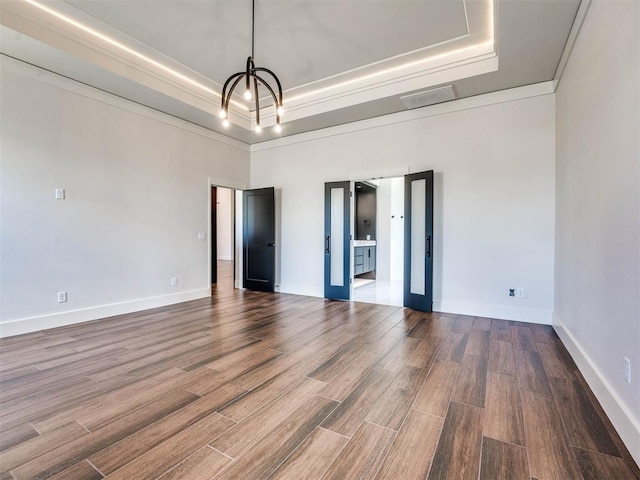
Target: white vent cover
point(429, 97)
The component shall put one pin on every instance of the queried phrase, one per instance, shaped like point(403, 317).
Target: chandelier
point(252, 80)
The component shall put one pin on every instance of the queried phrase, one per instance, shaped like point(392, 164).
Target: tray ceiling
point(339, 61)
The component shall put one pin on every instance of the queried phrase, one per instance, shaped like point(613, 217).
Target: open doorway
point(222, 237)
point(348, 257)
point(242, 238)
point(379, 241)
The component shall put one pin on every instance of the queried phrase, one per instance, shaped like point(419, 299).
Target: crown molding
point(502, 96)
point(68, 28)
point(465, 56)
point(36, 73)
point(581, 14)
point(71, 30)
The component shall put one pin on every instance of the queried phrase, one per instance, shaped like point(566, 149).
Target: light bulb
point(226, 123)
point(258, 128)
point(223, 113)
point(280, 110)
point(247, 94)
point(278, 128)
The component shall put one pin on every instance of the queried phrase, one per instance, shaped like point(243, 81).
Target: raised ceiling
point(339, 61)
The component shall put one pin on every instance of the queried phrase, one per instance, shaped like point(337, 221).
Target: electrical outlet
point(512, 292)
point(62, 297)
point(60, 193)
point(627, 370)
point(174, 281)
point(520, 293)
point(200, 235)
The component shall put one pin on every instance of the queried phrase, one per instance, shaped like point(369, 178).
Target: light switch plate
point(59, 193)
point(200, 235)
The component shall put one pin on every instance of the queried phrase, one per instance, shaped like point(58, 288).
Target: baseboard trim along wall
point(493, 311)
point(627, 427)
point(446, 306)
point(34, 324)
point(301, 290)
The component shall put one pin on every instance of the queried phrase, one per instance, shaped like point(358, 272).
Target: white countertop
point(364, 243)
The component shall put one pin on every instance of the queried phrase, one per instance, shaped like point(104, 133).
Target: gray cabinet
point(369, 259)
point(358, 261)
point(364, 260)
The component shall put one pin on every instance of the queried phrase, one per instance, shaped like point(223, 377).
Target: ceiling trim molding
point(483, 61)
point(104, 46)
point(70, 29)
point(502, 96)
point(581, 15)
point(53, 79)
point(474, 54)
point(480, 16)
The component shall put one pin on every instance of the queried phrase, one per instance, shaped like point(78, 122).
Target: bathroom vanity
point(364, 256)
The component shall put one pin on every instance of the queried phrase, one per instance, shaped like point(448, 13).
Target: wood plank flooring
point(248, 385)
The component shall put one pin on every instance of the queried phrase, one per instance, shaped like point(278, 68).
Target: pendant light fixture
point(252, 80)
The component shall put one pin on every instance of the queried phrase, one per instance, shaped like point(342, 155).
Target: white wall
point(494, 198)
point(396, 256)
point(224, 217)
point(390, 229)
point(597, 275)
point(137, 194)
point(383, 229)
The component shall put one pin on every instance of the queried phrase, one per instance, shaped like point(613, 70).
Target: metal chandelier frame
point(251, 76)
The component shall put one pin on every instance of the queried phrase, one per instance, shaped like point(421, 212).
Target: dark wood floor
point(249, 385)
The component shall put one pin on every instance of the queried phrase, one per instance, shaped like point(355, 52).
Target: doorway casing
point(237, 259)
point(418, 251)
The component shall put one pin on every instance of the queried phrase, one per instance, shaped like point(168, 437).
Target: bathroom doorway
point(378, 251)
point(400, 240)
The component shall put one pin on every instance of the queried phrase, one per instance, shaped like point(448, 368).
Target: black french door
point(337, 246)
point(418, 241)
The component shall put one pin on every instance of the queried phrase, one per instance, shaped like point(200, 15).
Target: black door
point(418, 241)
point(259, 258)
point(337, 247)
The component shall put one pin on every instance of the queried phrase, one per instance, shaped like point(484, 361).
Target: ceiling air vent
point(429, 97)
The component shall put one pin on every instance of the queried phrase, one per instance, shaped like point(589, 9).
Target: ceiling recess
point(429, 97)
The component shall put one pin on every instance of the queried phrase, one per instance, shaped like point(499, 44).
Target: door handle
point(428, 246)
point(327, 248)
point(271, 244)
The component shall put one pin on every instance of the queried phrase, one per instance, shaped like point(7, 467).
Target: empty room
point(341, 239)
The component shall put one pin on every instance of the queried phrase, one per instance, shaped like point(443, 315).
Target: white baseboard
point(461, 308)
point(493, 311)
point(43, 322)
point(623, 421)
point(301, 290)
